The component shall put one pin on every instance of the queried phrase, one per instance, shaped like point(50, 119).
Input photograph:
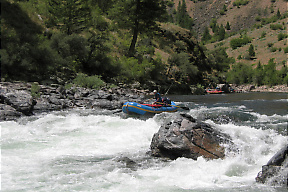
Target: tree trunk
point(135, 30)
point(134, 40)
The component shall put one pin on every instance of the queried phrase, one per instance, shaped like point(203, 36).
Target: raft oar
point(185, 108)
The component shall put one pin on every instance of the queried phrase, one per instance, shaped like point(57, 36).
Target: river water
point(88, 150)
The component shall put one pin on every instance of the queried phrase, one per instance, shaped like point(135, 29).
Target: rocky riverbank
point(21, 99)
point(24, 99)
point(263, 88)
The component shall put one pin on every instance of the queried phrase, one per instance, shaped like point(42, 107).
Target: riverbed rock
point(20, 100)
point(17, 99)
point(8, 113)
point(275, 172)
point(185, 137)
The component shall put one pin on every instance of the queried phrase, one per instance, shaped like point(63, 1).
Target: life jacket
point(158, 97)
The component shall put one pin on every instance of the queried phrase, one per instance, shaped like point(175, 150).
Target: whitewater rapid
point(82, 150)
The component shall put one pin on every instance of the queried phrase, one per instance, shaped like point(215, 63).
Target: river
point(85, 150)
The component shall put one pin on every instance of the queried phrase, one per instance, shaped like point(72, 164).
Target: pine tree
point(278, 14)
point(271, 75)
point(138, 16)
point(182, 17)
point(206, 35)
point(179, 14)
point(251, 51)
point(224, 7)
point(222, 33)
point(228, 26)
point(72, 16)
point(214, 26)
point(258, 74)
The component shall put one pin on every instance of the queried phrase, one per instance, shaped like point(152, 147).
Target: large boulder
point(21, 100)
point(275, 172)
point(185, 137)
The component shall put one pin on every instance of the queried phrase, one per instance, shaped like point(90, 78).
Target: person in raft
point(157, 97)
point(159, 100)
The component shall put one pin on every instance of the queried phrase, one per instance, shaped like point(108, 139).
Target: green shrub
point(273, 49)
point(240, 74)
point(263, 34)
point(272, 76)
point(240, 2)
point(222, 12)
point(282, 36)
point(272, 19)
point(258, 18)
point(170, 3)
point(137, 69)
point(270, 44)
point(35, 88)
point(239, 42)
point(180, 67)
point(286, 50)
point(93, 82)
point(276, 26)
point(258, 74)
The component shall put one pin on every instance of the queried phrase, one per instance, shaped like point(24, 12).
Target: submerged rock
point(185, 137)
point(275, 172)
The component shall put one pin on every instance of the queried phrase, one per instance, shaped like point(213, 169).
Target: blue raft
point(133, 107)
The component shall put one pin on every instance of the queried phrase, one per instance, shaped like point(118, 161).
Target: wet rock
point(8, 113)
point(129, 163)
point(51, 102)
point(275, 172)
point(56, 97)
point(20, 100)
point(185, 137)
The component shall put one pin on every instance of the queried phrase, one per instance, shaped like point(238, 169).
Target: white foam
point(70, 152)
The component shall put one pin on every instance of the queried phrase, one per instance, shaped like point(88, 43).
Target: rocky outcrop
point(185, 137)
point(276, 170)
point(16, 99)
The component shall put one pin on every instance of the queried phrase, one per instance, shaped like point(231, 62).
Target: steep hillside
point(240, 17)
point(59, 46)
point(266, 46)
point(244, 17)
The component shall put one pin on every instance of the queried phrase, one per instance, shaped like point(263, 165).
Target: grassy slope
point(240, 18)
point(263, 52)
